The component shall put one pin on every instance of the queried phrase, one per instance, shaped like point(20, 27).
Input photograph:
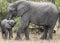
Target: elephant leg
point(45, 32)
point(50, 32)
point(20, 30)
point(51, 28)
point(6, 34)
point(3, 34)
point(18, 34)
point(26, 33)
point(10, 34)
point(24, 24)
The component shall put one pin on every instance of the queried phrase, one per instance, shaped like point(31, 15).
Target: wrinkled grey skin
point(39, 13)
point(6, 28)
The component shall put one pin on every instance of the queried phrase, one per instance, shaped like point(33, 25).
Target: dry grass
point(33, 39)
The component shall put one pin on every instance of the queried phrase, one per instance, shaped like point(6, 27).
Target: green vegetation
point(18, 19)
point(3, 9)
point(58, 2)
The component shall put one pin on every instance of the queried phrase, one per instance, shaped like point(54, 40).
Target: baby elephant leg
point(6, 34)
point(10, 34)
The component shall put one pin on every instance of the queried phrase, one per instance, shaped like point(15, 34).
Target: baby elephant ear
point(11, 23)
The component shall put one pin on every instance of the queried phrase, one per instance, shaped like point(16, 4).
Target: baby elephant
point(6, 28)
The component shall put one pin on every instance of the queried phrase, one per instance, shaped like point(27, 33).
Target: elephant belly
point(45, 19)
point(40, 20)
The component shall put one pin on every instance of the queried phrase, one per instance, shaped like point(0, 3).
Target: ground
point(34, 38)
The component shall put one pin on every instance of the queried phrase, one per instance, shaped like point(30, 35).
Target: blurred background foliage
point(4, 9)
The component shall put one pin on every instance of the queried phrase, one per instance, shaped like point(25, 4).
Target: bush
point(3, 9)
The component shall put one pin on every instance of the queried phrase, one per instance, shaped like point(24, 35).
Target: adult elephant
point(39, 13)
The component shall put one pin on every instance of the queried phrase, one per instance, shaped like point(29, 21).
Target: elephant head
point(12, 22)
point(18, 9)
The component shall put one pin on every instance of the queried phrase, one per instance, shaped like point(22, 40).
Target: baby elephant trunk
point(12, 23)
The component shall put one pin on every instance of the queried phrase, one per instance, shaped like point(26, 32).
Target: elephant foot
point(4, 38)
point(49, 38)
point(27, 39)
point(46, 38)
point(11, 37)
point(17, 38)
point(43, 37)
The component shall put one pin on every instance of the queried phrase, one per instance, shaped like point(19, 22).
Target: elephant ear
point(22, 9)
point(11, 22)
